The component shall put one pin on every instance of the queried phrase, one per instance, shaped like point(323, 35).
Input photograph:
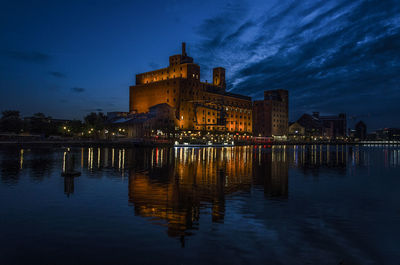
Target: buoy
point(69, 165)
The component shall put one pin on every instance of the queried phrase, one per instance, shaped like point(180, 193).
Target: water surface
point(240, 205)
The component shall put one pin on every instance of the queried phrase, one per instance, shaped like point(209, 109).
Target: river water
point(235, 205)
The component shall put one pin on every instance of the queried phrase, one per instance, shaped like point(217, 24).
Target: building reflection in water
point(271, 171)
point(180, 182)
point(171, 186)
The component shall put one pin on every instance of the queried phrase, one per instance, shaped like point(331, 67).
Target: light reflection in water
point(21, 159)
point(176, 192)
point(173, 185)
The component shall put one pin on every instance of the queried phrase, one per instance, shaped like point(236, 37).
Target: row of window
point(279, 115)
point(280, 121)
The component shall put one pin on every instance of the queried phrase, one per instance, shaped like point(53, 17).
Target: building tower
point(219, 77)
point(271, 115)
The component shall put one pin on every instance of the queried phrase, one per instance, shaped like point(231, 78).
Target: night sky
point(68, 58)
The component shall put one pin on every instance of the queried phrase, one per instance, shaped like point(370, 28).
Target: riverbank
point(164, 143)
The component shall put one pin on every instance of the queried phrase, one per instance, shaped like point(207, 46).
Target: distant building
point(296, 129)
point(271, 115)
point(335, 126)
point(323, 126)
point(312, 125)
point(388, 134)
point(116, 115)
point(360, 130)
point(158, 120)
point(197, 105)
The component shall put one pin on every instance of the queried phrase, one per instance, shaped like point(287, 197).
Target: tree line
point(40, 124)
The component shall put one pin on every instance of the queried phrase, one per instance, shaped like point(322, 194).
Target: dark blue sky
point(67, 58)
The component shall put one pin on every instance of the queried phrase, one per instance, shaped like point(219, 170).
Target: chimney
point(183, 49)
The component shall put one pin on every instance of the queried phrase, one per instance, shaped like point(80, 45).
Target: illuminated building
point(271, 115)
point(160, 116)
point(198, 106)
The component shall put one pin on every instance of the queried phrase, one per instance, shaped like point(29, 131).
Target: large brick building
point(271, 115)
point(198, 106)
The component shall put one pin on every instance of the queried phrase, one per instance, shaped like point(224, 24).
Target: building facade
point(335, 126)
point(361, 130)
point(198, 106)
point(271, 115)
point(296, 129)
point(145, 124)
point(329, 127)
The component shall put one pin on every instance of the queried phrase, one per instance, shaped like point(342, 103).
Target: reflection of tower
point(271, 171)
point(165, 202)
point(175, 184)
point(218, 207)
point(276, 184)
point(68, 185)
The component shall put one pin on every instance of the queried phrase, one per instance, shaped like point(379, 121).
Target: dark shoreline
point(108, 143)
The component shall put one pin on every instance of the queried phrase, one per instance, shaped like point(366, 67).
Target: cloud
point(31, 57)
point(57, 74)
point(331, 55)
point(78, 89)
